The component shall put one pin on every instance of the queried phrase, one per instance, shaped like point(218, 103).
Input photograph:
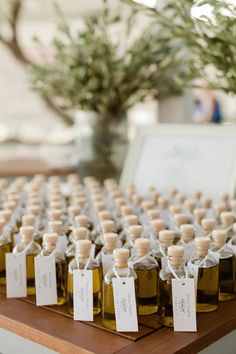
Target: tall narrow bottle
point(208, 276)
point(121, 268)
point(226, 265)
point(81, 260)
point(49, 247)
point(147, 270)
point(5, 247)
point(165, 301)
point(31, 249)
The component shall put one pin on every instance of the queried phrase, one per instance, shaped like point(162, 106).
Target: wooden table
point(61, 333)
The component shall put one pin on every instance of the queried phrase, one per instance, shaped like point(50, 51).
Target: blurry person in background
point(207, 107)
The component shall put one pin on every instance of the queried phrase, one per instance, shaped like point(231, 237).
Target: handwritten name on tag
point(184, 305)
point(45, 280)
point(125, 304)
point(83, 295)
point(16, 275)
point(107, 262)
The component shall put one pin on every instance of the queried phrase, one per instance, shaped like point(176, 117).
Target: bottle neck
point(120, 264)
point(141, 253)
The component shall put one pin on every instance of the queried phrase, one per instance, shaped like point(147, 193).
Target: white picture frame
point(188, 157)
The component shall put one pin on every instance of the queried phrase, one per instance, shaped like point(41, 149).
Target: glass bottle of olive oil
point(166, 238)
point(147, 270)
point(105, 256)
point(50, 246)
point(78, 233)
point(5, 247)
point(121, 256)
point(208, 276)
point(165, 301)
point(31, 249)
point(226, 265)
point(62, 241)
point(81, 260)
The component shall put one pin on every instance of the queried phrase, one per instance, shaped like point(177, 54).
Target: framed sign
point(187, 157)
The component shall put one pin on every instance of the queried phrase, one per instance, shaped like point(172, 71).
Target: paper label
point(92, 251)
point(184, 305)
point(125, 304)
point(16, 275)
point(83, 295)
point(45, 280)
point(107, 262)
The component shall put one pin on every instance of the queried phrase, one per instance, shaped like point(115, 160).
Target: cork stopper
point(115, 193)
point(130, 220)
point(175, 209)
point(55, 204)
point(99, 206)
point(50, 241)
point(219, 237)
point(55, 214)
point(2, 224)
point(56, 226)
point(180, 219)
point(83, 248)
point(227, 218)
point(147, 205)
point(225, 198)
point(175, 255)
point(80, 201)
point(13, 197)
point(107, 226)
point(6, 215)
point(126, 210)
point(190, 205)
point(28, 220)
point(97, 197)
point(180, 198)
point(153, 214)
point(142, 246)
point(166, 238)
point(105, 215)
point(26, 233)
point(11, 205)
point(80, 233)
point(121, 256)
point(74, 211)
point(135, 231)
point(157, 226)
point(219, 208)
point(208, 224)
point(110, 240)
point(206, 202)
point(173, 192)
point(119, 202)
point(54, 180)
point(54, 198)
point(34, 209)
point(82, 220)
point(199, 214)
point(187, 232)
point(73, 178)
point(197, 195)
point(203, 244)
point(136, 199)
point(110, 182)
point(163, 202)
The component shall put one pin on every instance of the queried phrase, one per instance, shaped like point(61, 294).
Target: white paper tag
point(62, 243)
point(92, 251)
point(184, 305)
point(164, 261)
point(125, 304)
point(83, 295)
point(107, 262)
point(45, 280)
point(16, 275)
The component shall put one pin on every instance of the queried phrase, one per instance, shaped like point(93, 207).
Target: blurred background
point(79, 78)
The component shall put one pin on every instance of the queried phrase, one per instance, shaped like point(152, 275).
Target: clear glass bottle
point(49, 247)
point(226, 265)
point(31, 249)
point(227, 220)
point(30, 220)
point(208, 276)
point(107, 226)
point(208, 225)
point(218, 208)
point(126, 222)
point(187, 241)
point(156, 226)
point(5, 247)
point(165, 308)
point(78, 233)
point(166, 238)
point(147, 270)
point(179, 219)
point(105, 256)
point(199, 214)
point(134, 232)
point(62, 240)
point(121, 256)
point(81, 260)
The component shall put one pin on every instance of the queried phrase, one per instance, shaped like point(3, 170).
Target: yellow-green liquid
point(61, 276)
point(96, 292)
point(165, 308)
point(30, 274)
point(208, 289)
point(227, 278)
point(6, 248)
point(147, 291)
